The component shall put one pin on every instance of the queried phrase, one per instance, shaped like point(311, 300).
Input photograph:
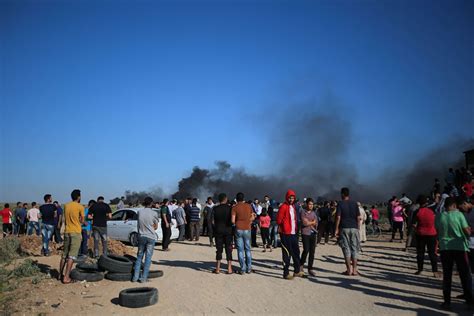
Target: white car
point(123, 226)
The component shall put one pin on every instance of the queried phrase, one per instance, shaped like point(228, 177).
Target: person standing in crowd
point(222, 222)
point(397, 219)
point(180, 216)
point(332, 220)
point(467, 188)
point(465, 206)
point(121, 203)
point(147, 224)
point(99, 213)
point(21, 216)
point(309, 221)
point(390, 212)
point(242, 217)
point(6, 214)
point(412, 209)
point(264, 222)
point(208, 218)
point(347, 228)
point(86, 230)
point(273, 211)
point(33, 216)
point(453, 235)
point(424, 226)
point(73, 217)
point(48, 213)
point(195, 218)
point(173, 205)
point(16, 226)
point(363, 218)
point(166, 225)
point(187, 208)
point(324, 214)
point(58, 222)
point(257, 209)
point(287, 220)
point(375, 216)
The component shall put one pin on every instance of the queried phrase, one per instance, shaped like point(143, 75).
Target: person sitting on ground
point(147, 222)
point(74, 218)
point(287, 220)
point(347, 229)
point(309, 222)
point(264, 223)
point(453, 235)
point(424, 226)
point(222, 222)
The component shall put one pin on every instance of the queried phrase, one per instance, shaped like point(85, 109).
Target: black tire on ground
point(88, 267)
point(134, 239)
point(118, 276)
point(131, 258)
point(113, 263)
point(138, 297)
point(152, 274)
point(89, 276)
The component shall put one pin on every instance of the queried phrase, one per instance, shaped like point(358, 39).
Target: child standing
point(265, 229)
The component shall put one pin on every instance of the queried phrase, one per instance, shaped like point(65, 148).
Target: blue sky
point(113, 95)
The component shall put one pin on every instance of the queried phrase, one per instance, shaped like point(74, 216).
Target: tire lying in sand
point(155, 274)
point(117, 264)
point(93, 267)
point(89, 276)
point(138, 297)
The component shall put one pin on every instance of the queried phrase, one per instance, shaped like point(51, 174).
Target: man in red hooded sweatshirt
point(287, 220)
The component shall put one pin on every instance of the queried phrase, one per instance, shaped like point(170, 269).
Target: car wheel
point(134, 239)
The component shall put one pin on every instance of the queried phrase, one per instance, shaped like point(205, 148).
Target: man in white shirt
point(33, 216)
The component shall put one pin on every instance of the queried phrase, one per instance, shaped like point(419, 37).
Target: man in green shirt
point(453, 235)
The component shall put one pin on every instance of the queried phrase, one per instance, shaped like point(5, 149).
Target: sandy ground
point(188, 287)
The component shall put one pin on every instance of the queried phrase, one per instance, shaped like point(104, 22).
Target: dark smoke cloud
point(434, 164)
point(308, 147)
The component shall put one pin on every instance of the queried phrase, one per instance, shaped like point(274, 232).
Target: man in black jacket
point(222, 222)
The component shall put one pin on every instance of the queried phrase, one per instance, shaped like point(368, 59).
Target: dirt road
point(387, 287)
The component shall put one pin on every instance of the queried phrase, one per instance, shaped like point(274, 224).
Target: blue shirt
point(87, 226)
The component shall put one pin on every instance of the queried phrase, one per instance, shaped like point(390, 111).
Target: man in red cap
point(287, 221)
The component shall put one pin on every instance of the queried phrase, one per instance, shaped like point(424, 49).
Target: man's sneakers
point(288, 277)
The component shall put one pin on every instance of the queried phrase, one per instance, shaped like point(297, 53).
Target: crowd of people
point(440, 223)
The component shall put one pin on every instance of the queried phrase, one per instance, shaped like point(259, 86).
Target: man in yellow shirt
point(73, 218)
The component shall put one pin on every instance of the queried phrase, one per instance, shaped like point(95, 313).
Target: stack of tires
point(89, 272)
point(119, 268)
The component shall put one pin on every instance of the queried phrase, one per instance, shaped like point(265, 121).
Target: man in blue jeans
point(242, 217)
point(147, 224)
point(48, 213)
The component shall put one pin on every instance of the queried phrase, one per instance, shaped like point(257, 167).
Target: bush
point(27, 268)
point(9, 249)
